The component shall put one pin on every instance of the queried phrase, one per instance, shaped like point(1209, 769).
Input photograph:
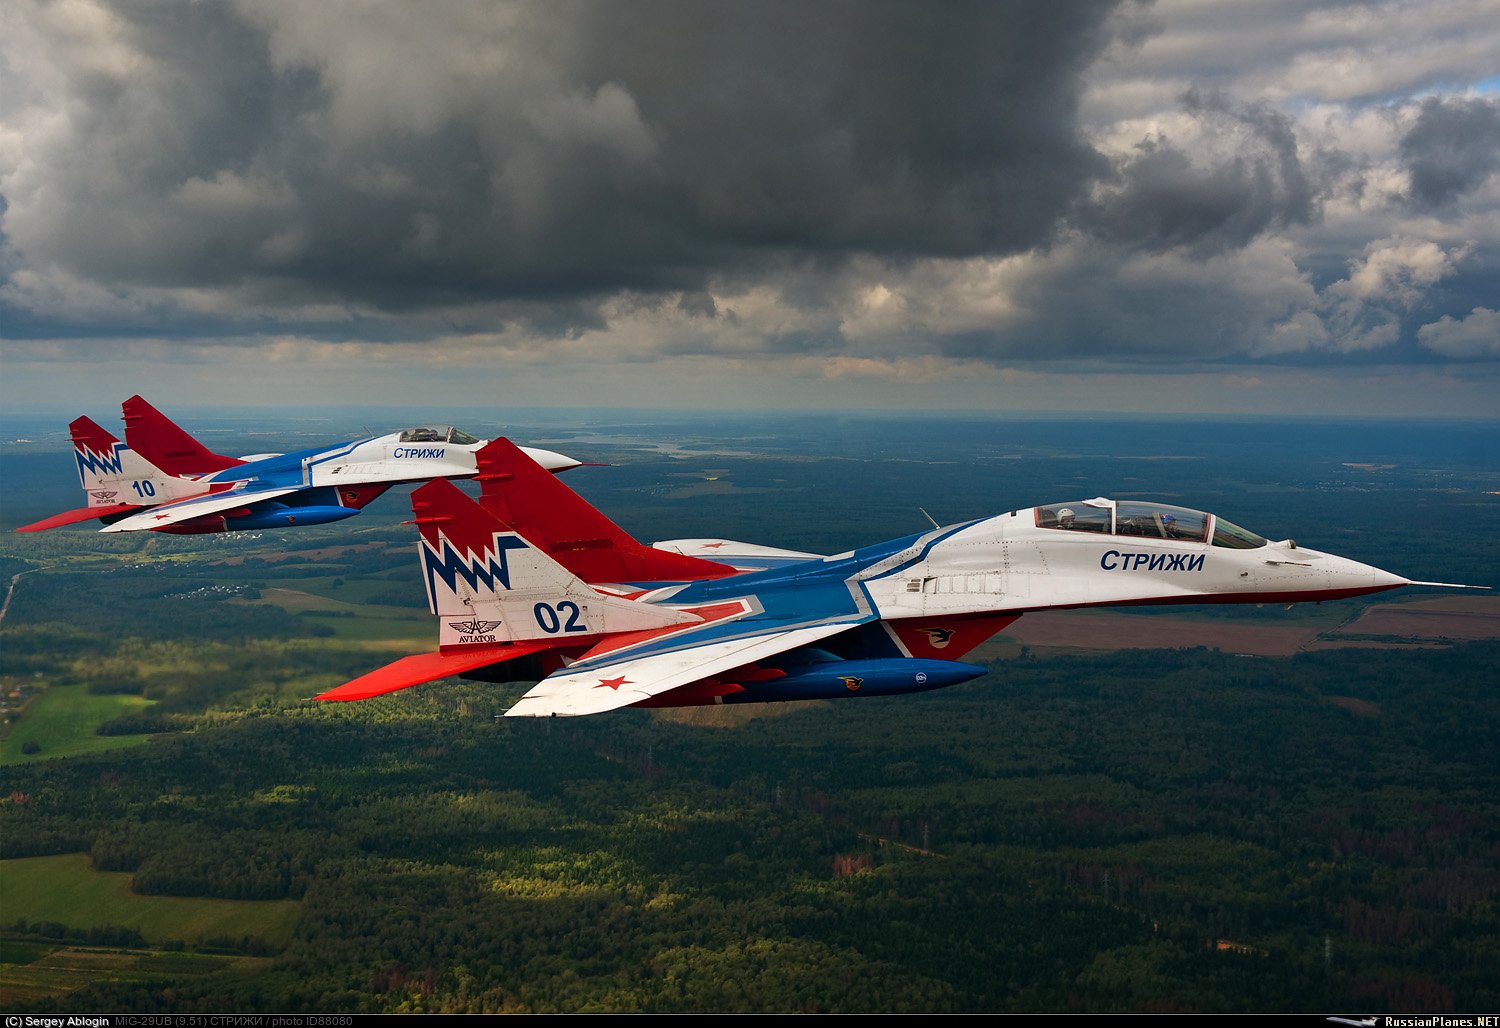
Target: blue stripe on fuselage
point(812, 592)
point(810, 574)
point(283, 469)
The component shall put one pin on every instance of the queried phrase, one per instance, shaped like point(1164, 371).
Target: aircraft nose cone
point(1351, 574)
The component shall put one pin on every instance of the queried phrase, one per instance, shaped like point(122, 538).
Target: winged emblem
point(474, 627)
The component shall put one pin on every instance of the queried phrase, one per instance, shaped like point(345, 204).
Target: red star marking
point(712, 546)
point(613, 683)
point(161, 517)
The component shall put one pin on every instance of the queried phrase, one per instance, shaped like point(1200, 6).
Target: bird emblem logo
point(939, 637)
point(474, 627)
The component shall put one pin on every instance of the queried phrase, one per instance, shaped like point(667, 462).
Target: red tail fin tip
point(160, 440)
point(555, 519)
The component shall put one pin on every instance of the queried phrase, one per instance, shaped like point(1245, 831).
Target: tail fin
point(112, 473)
point(489, 585)
point(116, 480)
point(99, 464)
point(533, 503)
point(152, 434)
point(98, 454)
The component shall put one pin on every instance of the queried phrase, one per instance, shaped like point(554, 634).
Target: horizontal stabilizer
point(427, 667)
point(73, 517)
point(745, 556)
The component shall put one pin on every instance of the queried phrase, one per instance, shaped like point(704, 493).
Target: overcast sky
point(1190, 205)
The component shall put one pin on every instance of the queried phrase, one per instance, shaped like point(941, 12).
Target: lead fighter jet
point(532, 583)
point(161, 479)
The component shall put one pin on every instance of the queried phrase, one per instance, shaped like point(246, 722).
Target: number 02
point(550, 619)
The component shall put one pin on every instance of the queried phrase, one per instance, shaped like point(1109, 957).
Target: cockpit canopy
point(1145, 518)
point(437, 434)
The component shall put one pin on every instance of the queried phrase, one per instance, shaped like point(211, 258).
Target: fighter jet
point(161, 479)
point(532, 583)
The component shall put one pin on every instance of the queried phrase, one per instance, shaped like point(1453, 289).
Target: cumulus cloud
point(884, 190)
point(1396, 271)
point(1453, 147)
point(1346, 52)
point(1236, 176)
point(1477, 335)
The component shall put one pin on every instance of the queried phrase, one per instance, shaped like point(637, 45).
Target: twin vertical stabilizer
point(488, 585)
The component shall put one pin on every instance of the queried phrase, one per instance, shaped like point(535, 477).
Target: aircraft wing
point(428, 667)
point(196, 506)
point(595, 685)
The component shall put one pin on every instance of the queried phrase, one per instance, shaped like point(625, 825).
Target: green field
point(66, 890)
point(353, 621)
point(54, 970)
point(62, 722)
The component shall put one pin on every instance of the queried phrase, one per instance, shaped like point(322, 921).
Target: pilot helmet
point(1065, 515)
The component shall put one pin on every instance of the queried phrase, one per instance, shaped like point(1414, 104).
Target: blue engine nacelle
point(285, 517)
point(837, 679)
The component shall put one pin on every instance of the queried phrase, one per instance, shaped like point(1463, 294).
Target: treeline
point(102, 935)
point(185, 676)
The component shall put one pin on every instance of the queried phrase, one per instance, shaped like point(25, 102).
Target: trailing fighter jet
point(532, 583)
point(161, 479)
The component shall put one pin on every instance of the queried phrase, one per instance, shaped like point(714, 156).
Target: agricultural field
point(66, 890)
point(1432, 622)
point(62, 720)
point(38, 971)
point(1449, 618)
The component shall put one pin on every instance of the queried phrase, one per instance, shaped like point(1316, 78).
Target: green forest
point(1066, 834)
point(1157, 830)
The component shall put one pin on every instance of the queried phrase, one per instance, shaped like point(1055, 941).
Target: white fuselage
point(386, 458)
point(1010, 564)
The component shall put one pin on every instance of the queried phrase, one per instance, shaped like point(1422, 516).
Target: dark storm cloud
point(1453, 147)
point(410, 156)
point(1164, 196)
point(885, 127)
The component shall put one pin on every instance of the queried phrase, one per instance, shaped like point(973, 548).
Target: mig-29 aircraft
point(161, 479)
point(532, 583)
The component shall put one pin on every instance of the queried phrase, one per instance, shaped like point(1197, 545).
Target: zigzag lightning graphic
point(98, 463)
point(492, 568)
